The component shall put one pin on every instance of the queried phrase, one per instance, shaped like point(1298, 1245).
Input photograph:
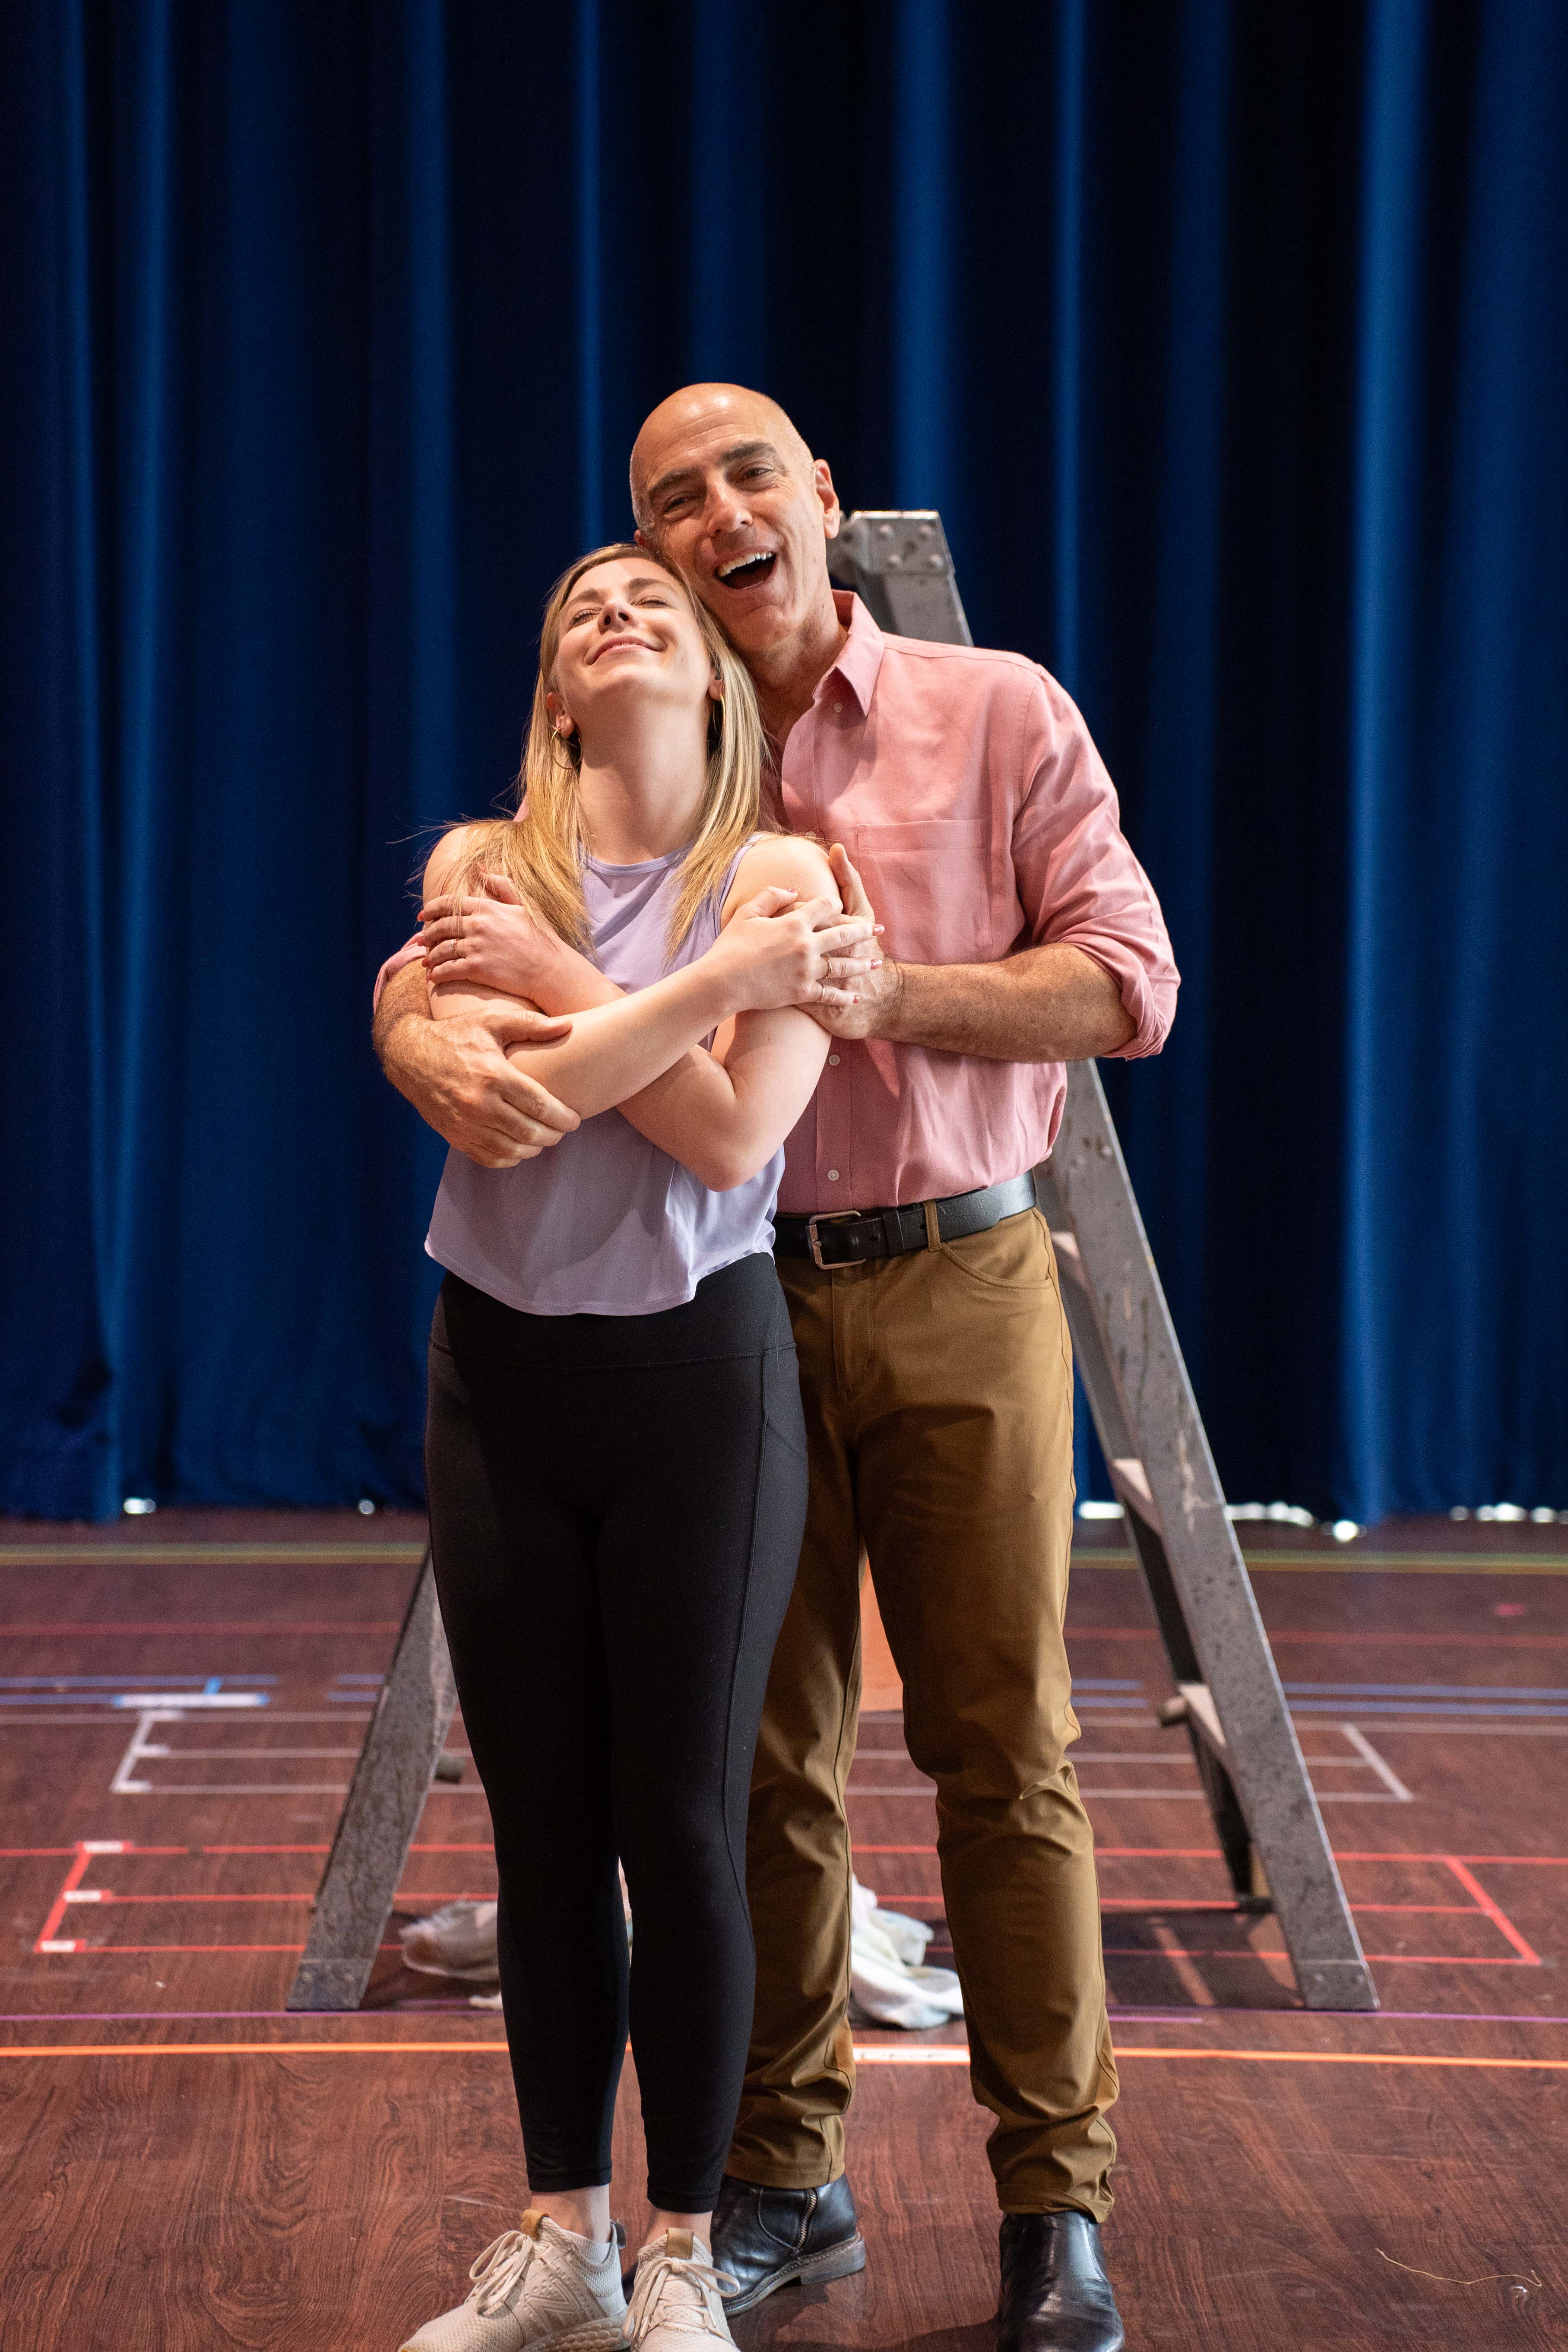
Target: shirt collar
point(862, 657)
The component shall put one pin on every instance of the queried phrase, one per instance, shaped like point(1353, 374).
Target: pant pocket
point(782, 1409)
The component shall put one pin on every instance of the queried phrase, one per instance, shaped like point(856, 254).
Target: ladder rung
point(1203, 1717)
point(1070, 1257)
point(1131, 1483)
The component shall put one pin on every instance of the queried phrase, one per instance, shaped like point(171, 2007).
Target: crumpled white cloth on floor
point(889, 1984)
point(458, 1941)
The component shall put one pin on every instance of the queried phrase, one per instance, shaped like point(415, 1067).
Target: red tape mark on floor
point(201, 1625)
point(51, 1926)
point(1494, 1911)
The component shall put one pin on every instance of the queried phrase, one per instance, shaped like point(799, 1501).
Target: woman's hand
point(777, 950)
point(491, 941)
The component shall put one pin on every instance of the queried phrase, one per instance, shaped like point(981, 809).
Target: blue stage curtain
point(1231, 342)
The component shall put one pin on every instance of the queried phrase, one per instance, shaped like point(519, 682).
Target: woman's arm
point(723, 1115)
point(488, 938)
point(761, 960)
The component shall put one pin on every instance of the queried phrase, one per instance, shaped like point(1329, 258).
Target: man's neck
point(787, 674)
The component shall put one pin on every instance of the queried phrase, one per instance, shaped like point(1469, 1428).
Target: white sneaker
point(676, 2293)
point(535, 2290)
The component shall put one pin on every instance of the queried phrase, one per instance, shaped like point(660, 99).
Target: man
point(935, 1365)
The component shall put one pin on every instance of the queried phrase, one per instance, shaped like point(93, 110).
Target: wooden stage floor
point(188, 2168)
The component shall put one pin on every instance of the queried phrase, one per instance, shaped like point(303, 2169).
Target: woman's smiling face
point(627, 629)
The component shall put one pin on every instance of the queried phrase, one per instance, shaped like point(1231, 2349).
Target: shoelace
point(497, 2270)
point(703, 2317)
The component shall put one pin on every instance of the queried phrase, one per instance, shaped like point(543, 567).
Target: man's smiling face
point(726, 489)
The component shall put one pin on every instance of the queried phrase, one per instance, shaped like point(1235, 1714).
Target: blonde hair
point(542, 851)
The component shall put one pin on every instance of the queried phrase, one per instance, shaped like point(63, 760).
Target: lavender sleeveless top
point(603, 1222)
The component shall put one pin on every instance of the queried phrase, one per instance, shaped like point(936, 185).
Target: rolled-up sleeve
point(408, 953)
point(1077, 880)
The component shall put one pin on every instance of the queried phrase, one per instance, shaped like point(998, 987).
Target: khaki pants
point(938, 1393)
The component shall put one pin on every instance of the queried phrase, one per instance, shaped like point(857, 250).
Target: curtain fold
point(1231, 343)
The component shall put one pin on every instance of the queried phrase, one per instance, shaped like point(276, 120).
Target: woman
point(616, 1451)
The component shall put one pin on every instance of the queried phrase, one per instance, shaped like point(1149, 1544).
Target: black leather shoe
point(769, 2238)
point(1055, 2296)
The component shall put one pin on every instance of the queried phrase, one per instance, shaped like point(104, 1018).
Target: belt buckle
point(826, 1217)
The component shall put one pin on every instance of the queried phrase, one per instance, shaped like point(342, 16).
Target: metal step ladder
point(1228, 1697)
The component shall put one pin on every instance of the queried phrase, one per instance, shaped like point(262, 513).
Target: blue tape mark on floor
point(1426, 1690)
point(118, 1682)
point(1350, 1704)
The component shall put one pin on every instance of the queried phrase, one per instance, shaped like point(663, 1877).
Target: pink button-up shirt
point(966, 789)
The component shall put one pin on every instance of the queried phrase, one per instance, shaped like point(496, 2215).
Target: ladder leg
point(1265, 1813)
point(1230, 1825)
point(1116, 1440)
point(392, 1779)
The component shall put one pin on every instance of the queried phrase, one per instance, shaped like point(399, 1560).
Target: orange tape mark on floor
point(951, 2054)
point(874, 2053)
point(1353, 2058)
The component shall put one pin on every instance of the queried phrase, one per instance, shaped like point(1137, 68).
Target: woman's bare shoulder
point(458, 850)
point(784, 861)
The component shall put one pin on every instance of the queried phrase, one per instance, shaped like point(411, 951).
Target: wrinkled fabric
point(890, 1983)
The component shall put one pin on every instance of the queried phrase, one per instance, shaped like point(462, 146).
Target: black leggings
point(617, 1505)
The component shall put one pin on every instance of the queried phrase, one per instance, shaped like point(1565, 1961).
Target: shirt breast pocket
point(933, 886)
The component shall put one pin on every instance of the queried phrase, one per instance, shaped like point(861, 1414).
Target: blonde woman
point(615, 1451)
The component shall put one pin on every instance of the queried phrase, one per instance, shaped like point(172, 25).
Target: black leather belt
point(851, 1237)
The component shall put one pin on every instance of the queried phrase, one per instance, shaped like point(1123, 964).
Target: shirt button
point(833, 1175)
point(833, 1061)
point(838, 706)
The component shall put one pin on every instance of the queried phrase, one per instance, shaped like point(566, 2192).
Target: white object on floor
point(537, 2288)
point(458, 1941)
point(888, 1985)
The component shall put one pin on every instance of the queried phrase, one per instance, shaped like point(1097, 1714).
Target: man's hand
point(456, 1075)
point(1050, 1003)
point(494, 940)
point(876, 989)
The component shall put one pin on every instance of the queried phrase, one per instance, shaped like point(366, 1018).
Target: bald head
point(727, 411)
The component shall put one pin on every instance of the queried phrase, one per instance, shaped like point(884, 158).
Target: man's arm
point(456, 1075)
point(1096, 976)
point(1043, 1004)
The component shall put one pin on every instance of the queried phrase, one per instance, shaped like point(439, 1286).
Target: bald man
point(935, 1365)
